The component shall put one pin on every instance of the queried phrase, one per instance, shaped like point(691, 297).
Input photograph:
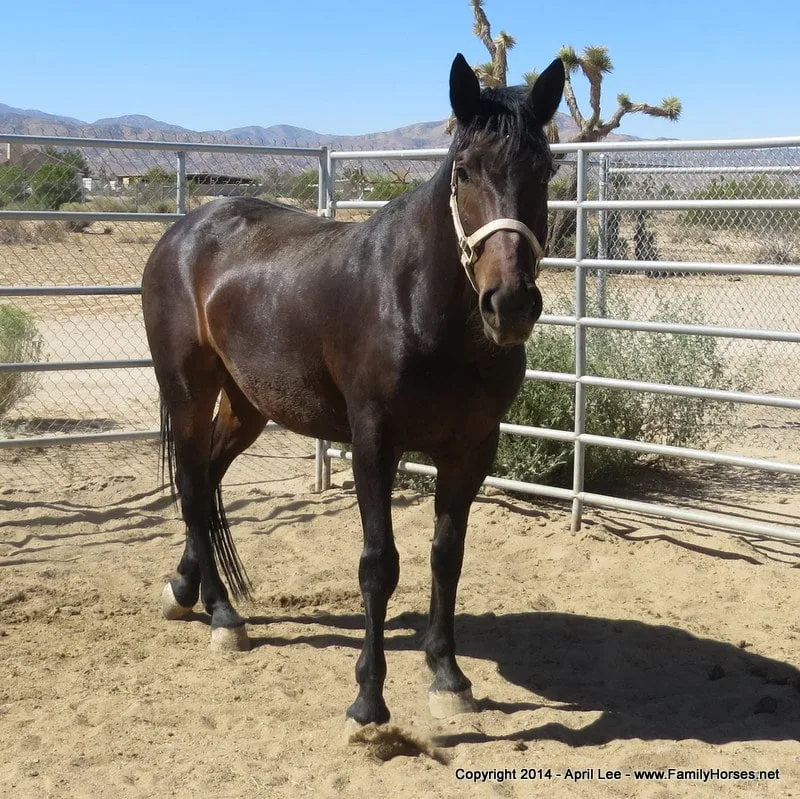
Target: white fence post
point(180, 189)
point(602, 235)
point(580, 343)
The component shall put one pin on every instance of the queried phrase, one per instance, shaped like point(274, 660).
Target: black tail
point(167, 466)
point(225, 554)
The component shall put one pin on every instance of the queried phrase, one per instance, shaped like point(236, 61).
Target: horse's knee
point(379, 572)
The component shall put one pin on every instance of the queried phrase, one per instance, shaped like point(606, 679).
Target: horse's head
point(501, 167)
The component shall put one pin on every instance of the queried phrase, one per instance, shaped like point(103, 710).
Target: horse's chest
point(443, 403)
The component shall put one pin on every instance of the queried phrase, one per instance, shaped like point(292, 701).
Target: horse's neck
point(444, 277)
point(441, 306)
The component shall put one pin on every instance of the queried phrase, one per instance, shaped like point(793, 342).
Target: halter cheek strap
point(468, 245)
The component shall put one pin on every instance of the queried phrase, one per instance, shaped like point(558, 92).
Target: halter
point(468, 245)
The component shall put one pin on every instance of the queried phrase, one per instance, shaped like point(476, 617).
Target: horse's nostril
point(488, 303)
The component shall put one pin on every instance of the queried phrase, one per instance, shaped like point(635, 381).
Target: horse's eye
point(461, 174)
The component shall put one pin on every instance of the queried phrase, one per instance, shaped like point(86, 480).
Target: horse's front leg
point(374, 465)
point(459, 477)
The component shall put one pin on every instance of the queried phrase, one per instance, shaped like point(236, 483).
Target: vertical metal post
point(602, 237)
point(318, 458)
point(322, 462)
point(180, 188)
point(331, 199)
point(580, 343)
point(322, 183)
point(326, 466)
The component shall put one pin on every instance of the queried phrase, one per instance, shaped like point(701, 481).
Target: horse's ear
point(546, 92)
point(465, 91)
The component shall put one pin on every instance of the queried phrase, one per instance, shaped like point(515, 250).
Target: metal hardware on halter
point(468, 245)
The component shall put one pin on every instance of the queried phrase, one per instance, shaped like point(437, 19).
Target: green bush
point(387, 189)
point(52, 185)
point(20, 342)
point(757, 187)
point(304, 188)
point(658, 418)
point(13, 185)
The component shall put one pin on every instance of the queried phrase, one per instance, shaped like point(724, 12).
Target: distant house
point(14, 154)
point(213, 184)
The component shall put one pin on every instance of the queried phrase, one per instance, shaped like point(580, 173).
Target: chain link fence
point(69, 286)
point(78, 220)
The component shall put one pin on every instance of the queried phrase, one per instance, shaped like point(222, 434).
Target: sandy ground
point(630, 645)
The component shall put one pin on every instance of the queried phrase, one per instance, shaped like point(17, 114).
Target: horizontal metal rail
point(87, 216)
point(647, 448)
point(706, 518)
point(694, 392)
point(67, 291)
point(431, 154)
point(410, 467)
point(75, 366)
point(691, 205)
point(718, 520)
point(690, 329)
point(669, 451)
point(642, 326)
point(698, 267)
point(655, 169)
point(168, 146)
point(87, 438)
point(714, 394)
point(675, 144)
point(371, 205)
point(631, 205)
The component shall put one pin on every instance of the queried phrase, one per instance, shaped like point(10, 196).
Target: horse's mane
point(505, 115)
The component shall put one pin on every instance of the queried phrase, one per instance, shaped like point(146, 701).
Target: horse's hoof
point(230, 639)
point(170, 607)
point(444, 704)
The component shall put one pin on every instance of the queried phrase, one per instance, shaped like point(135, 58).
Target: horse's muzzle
point(509, 313)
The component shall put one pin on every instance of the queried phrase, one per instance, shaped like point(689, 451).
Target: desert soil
point(632, 644)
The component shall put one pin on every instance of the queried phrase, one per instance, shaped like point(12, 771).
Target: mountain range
point(137, 126)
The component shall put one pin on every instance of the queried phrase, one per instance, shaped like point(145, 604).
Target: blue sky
point(360, 66)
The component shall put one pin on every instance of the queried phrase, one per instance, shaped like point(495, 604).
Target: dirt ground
point(630, 645)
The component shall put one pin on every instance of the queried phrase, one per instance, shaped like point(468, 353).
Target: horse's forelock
point(505, 122)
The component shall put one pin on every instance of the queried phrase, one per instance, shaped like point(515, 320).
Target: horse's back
point(245, 281)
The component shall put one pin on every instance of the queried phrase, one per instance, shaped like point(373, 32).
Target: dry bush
point(45, 232)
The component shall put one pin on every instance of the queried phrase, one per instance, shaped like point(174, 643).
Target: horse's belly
point(306, 404)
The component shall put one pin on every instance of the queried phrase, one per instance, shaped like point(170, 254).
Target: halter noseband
point(468, 245)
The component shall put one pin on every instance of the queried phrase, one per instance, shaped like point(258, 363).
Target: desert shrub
point(659, 358)
point(383, 188)
point(52, 185)
point(20, 342)
point(777, 250)
point(97, 204)
point(757, 187)
point(304, 188)
point(46, 232)
point(159, 207)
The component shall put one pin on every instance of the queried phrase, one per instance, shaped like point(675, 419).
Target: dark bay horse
point(401, 333)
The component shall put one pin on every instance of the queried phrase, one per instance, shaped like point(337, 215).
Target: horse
point(401, 333)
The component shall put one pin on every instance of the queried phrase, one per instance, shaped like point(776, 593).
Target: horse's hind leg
point(189, 404)
point(459, 477)
point(236, 426)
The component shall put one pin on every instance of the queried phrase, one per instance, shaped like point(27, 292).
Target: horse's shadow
point(648, 681)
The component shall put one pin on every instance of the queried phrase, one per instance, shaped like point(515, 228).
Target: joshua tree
point(594, 63)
